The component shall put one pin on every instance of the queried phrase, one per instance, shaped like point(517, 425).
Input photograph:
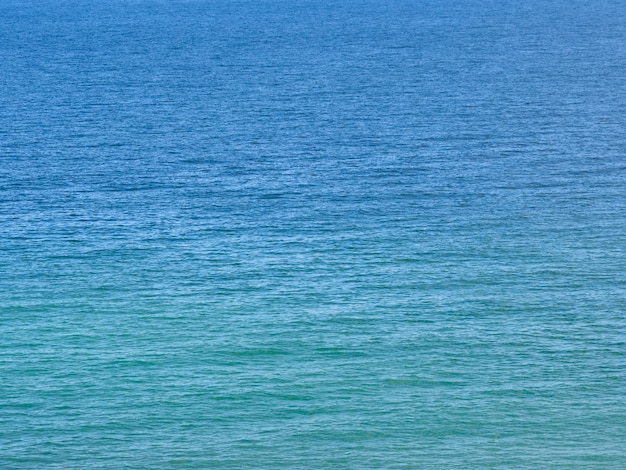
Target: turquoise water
point(312, 235)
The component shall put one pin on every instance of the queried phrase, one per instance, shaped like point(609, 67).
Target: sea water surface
point(311, 234)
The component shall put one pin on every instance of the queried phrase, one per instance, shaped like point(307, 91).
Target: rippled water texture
point(312, 234)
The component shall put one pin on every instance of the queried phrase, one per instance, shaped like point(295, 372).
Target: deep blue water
point(312, 234)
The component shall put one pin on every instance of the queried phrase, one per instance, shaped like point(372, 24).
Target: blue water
point(312, 234)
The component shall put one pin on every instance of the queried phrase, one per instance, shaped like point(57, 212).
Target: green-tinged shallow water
point(312, 235)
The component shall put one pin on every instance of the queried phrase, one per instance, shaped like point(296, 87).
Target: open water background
point(312, 234)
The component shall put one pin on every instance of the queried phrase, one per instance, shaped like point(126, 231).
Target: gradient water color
point(312, 234)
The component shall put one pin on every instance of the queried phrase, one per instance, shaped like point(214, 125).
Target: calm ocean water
point(312, 234)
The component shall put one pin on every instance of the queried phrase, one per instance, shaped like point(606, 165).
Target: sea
point(312, 234)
